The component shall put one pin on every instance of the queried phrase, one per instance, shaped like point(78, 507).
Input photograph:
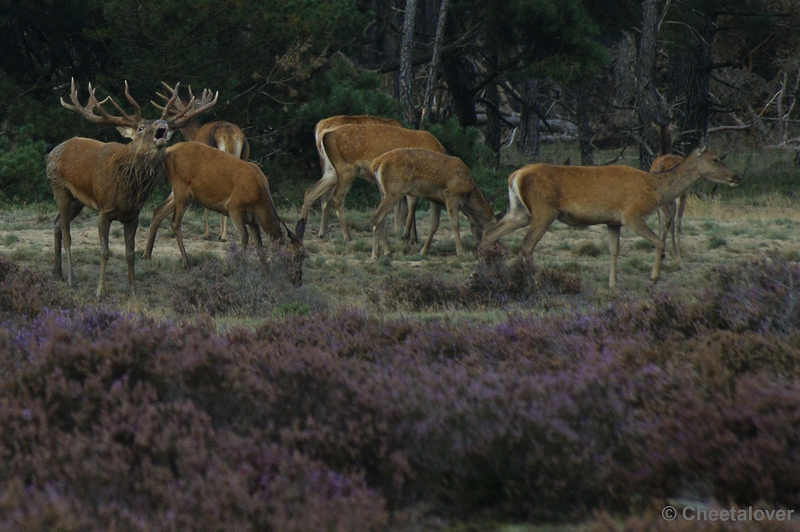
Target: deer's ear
point(170, 132)
point(125, 131)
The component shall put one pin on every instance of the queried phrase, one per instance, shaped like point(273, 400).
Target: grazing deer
point(348, 151)
point(614, 195)
point(226, 136)
point(111, 178)
point(402, 210)
point(227, 185)
point(670, 216)
point(441, 179)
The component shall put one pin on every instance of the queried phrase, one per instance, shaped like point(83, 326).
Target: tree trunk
point(688, 84)
point(493, 132)
point(646, 97)
point(406, 67)
point(427, 101)
point(529, 125)
point(584, 128)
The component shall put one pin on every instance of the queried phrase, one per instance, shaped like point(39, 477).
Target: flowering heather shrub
point(25, 294)
point(493, 283)
point(250, 282)
point(107, 431)
point(760, 295)
point(327, 422)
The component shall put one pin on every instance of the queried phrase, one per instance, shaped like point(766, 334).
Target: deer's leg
point(255, 234)
point(177, 221)
point(613, 249)
point(207, 226)
point(327, 182)
point(539, 225)
point(679, 226)
point(514, 219)
point(435, 212)
point(238, 222)
point(338, 204)
point(400, 213)
point(452, 204)
point(71, 209)
point(103, 227)
point(159, 213)
point(325, 207)
point(223, 228)
point(129, 230)
point(378, 221)
point(641, 228)
point(58, 232)
point(411, 221)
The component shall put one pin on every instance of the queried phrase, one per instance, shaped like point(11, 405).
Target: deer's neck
point(190, 130)
point(139, 172)
point(673, 183)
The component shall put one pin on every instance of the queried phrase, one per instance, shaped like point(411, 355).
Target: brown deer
point(348, 151)
point(111, 178)
point(614, 195)
point(441, 179)
point(402, 210)
point(226, 136)
point(225, 184)
point(670, 216)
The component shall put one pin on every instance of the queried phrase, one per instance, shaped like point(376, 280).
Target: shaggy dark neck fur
point(138, 175)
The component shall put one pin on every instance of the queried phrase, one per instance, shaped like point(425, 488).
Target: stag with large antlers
point(614, 195)
point(225, 136)
point(227, 185)
point(111, 178)
point(439, 178)
point(348, 151)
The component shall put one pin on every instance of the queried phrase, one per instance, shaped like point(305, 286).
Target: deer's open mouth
point(160, 136)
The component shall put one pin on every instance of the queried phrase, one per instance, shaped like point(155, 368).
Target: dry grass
point(715, 232)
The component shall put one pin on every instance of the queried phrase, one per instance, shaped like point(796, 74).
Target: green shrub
point(22, 168)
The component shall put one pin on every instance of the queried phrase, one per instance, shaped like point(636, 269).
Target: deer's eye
point(716, 160)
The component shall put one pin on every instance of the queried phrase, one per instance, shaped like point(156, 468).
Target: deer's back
point(352, 144)
point(586, 192)
point(225, 136)
point(212, 174)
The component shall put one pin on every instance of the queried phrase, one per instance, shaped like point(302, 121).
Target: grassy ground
point(716, 230)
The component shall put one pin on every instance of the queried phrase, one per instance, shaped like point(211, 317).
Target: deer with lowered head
point(111, 178)
point(441, 179)
point(225, 184)
point(614, 195)
point(225, 136)
point(348, 151)
point(404, 209)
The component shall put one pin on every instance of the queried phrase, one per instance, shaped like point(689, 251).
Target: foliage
point(22, 168)
point(25, 294)
point(493, 283)
point(327, 421)
point(250, 282)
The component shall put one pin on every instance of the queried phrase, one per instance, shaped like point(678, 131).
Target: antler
point(178, 104)
point(192, 110)
point(88, 112)
point(183, 113)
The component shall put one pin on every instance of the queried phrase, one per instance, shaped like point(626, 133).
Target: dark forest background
point(481, 74)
